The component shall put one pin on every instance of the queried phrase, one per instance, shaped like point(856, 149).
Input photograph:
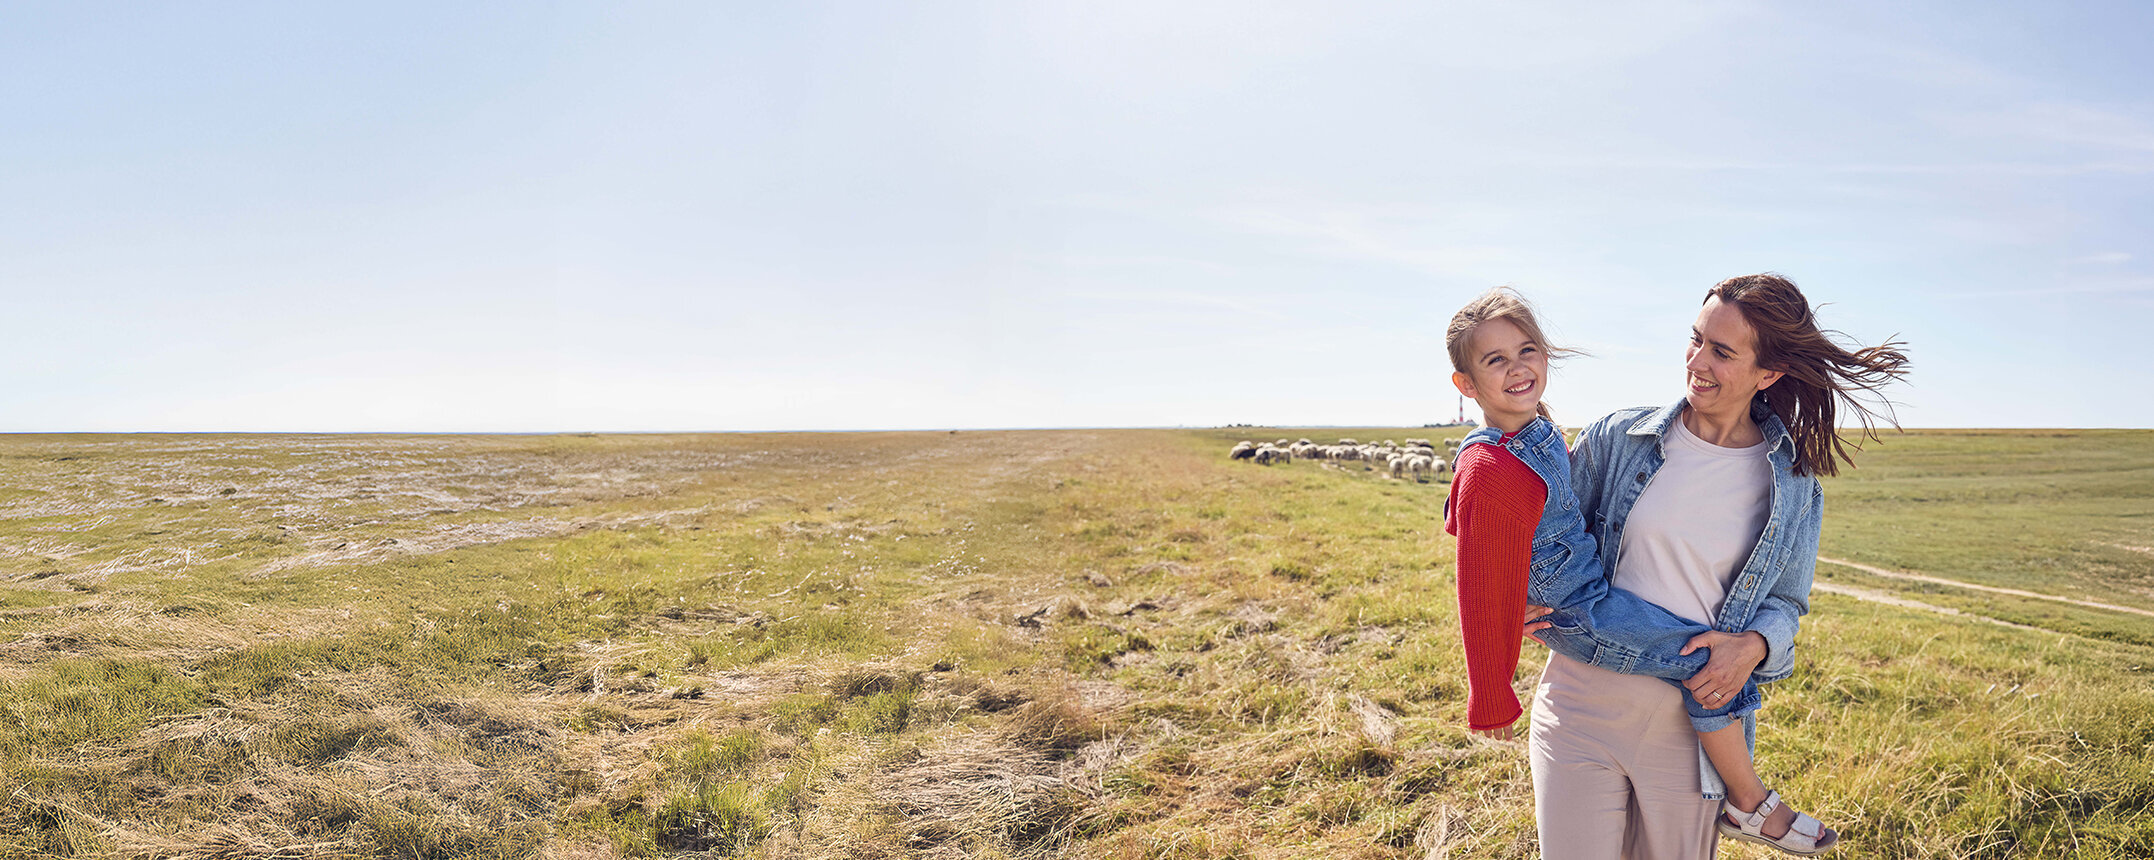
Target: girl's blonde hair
point(1500, 303)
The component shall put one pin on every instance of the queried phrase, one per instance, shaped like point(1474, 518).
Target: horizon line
point(934, 429)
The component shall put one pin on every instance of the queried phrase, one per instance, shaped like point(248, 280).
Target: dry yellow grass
point(1051, 643)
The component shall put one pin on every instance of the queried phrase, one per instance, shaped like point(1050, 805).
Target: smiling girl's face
point(1506, 372)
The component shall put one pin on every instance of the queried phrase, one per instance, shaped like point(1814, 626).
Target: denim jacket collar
point(1781, 450)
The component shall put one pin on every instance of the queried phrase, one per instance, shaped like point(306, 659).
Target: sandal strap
point(1804, 831)
point(1807, 827)
point(1753, 822)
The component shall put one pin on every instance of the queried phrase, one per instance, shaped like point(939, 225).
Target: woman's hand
point(1533, 626)
point(1734, 657)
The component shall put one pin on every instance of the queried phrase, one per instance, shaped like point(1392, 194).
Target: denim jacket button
point(1641, 477)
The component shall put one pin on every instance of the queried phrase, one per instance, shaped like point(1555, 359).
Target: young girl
point(1521, 539)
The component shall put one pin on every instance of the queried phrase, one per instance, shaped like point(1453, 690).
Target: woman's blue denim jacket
point(1615, 458)
point(1592, 621)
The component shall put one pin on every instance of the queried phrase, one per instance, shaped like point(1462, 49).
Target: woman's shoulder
point(1616, 424)
point(1623, 419)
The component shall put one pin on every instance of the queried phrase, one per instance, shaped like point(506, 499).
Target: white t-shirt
point(1695, 525)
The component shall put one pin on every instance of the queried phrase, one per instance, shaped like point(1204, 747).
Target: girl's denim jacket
point(1592, 621)
point(1616, 457)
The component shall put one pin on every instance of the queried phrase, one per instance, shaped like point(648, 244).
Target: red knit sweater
point(1496, 502)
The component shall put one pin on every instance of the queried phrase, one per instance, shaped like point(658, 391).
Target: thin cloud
point(1141, 261)
point(1877, 168)
point(2068, 125)
point(2126, 287)
point(1611, 348)
point(1179, 299)
point(1351, 235)
point(2110, 258)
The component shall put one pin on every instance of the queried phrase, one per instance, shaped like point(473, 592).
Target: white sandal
point(1806, 836)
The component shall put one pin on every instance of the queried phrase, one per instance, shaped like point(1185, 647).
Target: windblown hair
point(1500, 303)
point(1819, 373)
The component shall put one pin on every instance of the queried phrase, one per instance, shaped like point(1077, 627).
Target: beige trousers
point(1615, 768)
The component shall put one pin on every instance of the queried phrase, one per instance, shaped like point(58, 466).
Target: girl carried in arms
point(1522, 538)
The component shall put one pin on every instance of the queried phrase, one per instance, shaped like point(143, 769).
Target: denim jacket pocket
point(1548, 556)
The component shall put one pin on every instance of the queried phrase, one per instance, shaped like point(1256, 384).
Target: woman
point(1709, 507)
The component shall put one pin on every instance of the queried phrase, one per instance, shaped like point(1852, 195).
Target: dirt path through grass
point(1938, 580)
point(1875, 596)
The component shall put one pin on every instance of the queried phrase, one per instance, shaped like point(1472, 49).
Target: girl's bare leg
point(1731, 757)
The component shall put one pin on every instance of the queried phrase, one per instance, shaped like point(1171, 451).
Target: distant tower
point(1461, 410)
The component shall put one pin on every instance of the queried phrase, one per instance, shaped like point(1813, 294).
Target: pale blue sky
point(768, 216)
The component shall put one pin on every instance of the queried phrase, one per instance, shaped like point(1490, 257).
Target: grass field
point(1106, 643)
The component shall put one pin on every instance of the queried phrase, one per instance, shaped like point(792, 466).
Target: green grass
point(1071, 643)
point(2061, 512)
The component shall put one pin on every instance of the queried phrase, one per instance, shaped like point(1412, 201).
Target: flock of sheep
point(1415, 459)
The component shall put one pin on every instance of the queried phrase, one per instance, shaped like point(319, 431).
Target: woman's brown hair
point(1817, 372)
point(1499, 303)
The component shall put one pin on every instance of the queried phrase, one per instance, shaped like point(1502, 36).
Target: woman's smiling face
point(1722, 361)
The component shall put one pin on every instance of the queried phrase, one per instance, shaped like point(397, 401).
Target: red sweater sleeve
point(1496, 502)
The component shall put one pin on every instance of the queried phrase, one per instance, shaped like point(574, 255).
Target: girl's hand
point(1498, 734)
point(1734, 657)
point(1533, 626)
